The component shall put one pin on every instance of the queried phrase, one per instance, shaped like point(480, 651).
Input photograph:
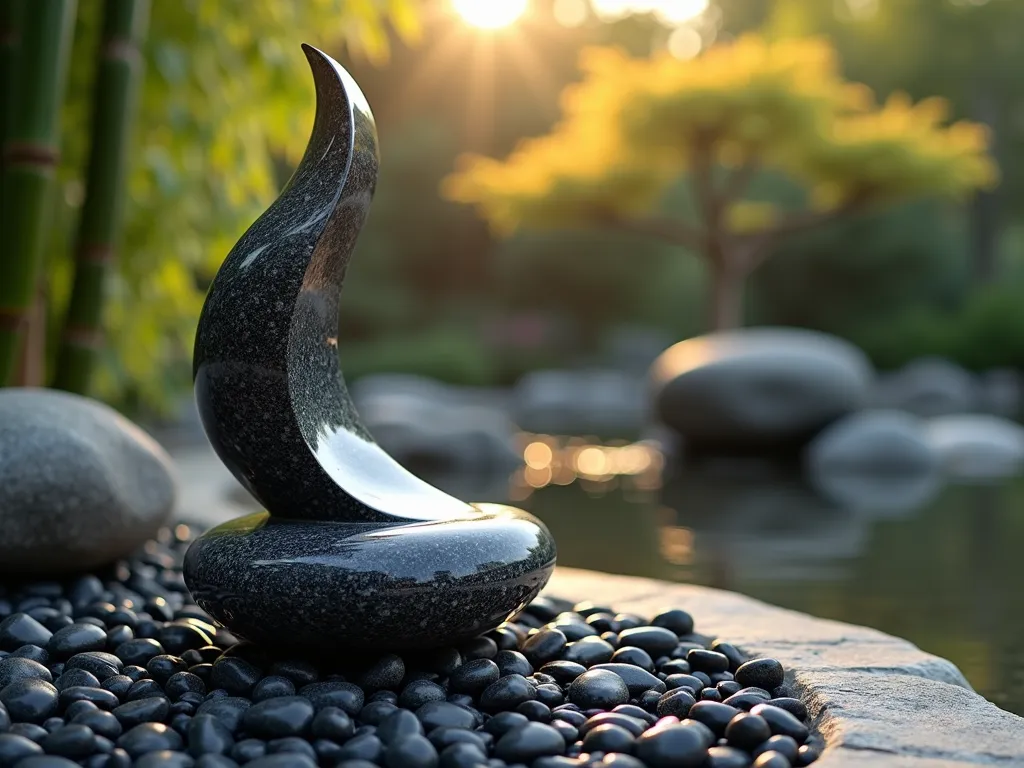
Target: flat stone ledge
point(877, 700)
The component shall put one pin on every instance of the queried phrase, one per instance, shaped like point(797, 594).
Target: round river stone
point(80, 485)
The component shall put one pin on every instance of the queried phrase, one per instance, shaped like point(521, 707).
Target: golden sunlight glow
point(670, 12)
point(490, 14)
point(679, 11)
point(570, 13)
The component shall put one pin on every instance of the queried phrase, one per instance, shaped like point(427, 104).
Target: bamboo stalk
point(30, 157)
point(117, 78)
point(10, 40)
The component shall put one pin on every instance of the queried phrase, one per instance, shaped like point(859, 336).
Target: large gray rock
point(579, 402)
point(1000, 392)
point(873, 441)
point(878, 461)
point(978, 446)
point(929, 386)
point(80, 485)
point(758, 387)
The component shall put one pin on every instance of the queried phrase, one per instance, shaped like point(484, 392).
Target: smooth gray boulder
point(80, 485)
point(929, 386)
point(879, 461)
point(874, 441)
point(1001, 392)
point(757, 388)
point(578, 402)
point(978, 446)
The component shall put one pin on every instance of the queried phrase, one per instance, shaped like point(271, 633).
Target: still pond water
point(940, 565)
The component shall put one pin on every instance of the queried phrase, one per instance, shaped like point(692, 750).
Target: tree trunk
point(726, 306)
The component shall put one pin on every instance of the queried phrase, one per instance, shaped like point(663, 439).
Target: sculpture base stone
point(315, 587)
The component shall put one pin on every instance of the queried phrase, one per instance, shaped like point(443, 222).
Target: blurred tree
point(633, 126)
point(226, 100)
point(968, 51)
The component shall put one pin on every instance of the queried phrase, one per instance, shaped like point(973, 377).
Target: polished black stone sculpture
point(354, 551)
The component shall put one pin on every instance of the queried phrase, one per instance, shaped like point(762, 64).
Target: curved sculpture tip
point(268, 382)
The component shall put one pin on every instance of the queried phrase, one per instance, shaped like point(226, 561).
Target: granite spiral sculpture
point(353, 550)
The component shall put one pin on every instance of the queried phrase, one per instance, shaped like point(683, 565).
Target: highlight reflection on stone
point(354, 550)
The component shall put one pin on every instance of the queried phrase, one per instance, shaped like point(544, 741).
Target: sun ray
point(490, 14)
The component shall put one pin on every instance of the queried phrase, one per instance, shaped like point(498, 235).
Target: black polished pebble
point(673, 746)
point(346, 696)
point(14, 747)
point(279, 717)
point(657, 641)
point(98, 663)
point(14, 668)
point(747, 731)
point(20, 629)
point(76, 638)
point(762, 673)
point(677, 703)
point(506, 693)
point(589, 651)
point(153, 709)
point(474, 676)
point(784, 745)
point(782, 722)
point(728, 757)
point(598, 689)
point(634, 725)
point(29, 700)
point(443, 714)
point(707, 661)
point(525, 743)
point(630, 654)
point(149, 737)
point(637, 680)
point(676, 620)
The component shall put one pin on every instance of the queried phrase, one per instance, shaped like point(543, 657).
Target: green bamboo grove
point(115, 91)
point(35, 45)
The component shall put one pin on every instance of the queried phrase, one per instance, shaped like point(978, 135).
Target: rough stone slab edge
point(877, 700)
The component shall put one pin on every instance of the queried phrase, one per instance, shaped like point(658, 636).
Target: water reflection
point(936, 564)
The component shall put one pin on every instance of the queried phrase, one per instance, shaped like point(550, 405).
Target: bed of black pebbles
point(121, 668)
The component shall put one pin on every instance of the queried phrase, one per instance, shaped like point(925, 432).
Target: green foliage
point(967, 51)
point(453, 354)
point(986, 331)
point(414, 254)
point(226, 97)
point(598, 280)
point(866, 268)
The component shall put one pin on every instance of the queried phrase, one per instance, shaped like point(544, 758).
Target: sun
point(490, 14)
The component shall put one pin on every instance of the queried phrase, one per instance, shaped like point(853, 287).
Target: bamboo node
point(30, 153)
point(13, 320)
point(120, 49)
point(82, 337)
point(101, 255)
